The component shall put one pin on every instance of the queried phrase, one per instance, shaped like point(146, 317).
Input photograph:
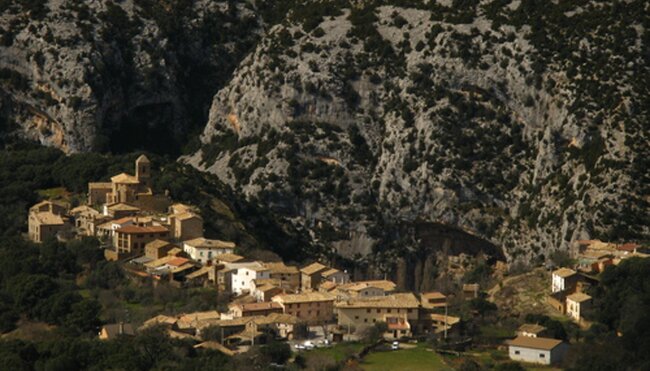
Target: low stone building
point(398, 310)
point(205, 250)
point(312, 307)
point(577, 304)
point(545, 351)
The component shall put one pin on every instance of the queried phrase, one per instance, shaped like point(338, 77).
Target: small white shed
point(545, 351)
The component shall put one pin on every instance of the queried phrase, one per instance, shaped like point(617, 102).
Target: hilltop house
point(433, 300)
point(131, 240)
point(311, 275)
point(564, 279)
point(243, 277)
point(185, 225)
point(46, 219)
point(576, 304)
point(398, 311)
point(204, 250)
point(287, 276)
point(362, 289)
point(254, 309)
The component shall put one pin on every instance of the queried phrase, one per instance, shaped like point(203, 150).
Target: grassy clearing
point(53, 193)
point(338, 352)
point(415, 359)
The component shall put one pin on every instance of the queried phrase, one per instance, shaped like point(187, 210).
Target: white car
point(308, 345)
point(394, 345)
point(299, 347)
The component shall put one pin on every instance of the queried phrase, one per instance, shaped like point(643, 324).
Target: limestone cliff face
point(97, 75)
point(475, 118)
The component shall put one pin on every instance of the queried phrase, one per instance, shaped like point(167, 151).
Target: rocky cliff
point(521, 123)
point(103, 75)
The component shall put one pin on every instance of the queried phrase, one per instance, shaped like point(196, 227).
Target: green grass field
point(338, 352)
point(416, 359)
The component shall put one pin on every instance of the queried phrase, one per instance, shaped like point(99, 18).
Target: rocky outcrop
point(98, 75)
point(471, 117)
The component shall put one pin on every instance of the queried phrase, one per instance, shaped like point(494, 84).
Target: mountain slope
point(116, 76)
point(522, 123)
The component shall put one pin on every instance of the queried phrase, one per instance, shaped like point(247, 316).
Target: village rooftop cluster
point(154, 237)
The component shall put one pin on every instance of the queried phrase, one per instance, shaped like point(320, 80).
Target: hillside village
point(152, 237)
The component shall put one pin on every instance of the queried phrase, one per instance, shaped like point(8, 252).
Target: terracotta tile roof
point(328, 285)
point(134, 229)
point(402, 300)
point(630, 247)
point(157, 244)
point(360, 285)
point(159, 319)
point(564, 272)
point(187, 215)
point(204, 243)
point(48, 218)
point(249, 307)
point(281, 268)
point(200, 272)
point(397, 323)
point(534, 343)
point(313, 268)
point(121, 206)
point(578, 297)
point(228, 258)
point(177, 261)
point(304, 297)
point(330, 272)
point(433, 295)
point(124, 178)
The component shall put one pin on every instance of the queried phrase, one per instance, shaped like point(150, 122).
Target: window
point(378, 310)
point(356, 317)
point(368, 310)
point(516, 352)
point(542, 355)
point(409, 310)
point(365, 320)
point(389, 310)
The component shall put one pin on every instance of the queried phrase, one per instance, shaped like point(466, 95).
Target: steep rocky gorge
point(98, 75)
point(388, 133)
point(523, 125)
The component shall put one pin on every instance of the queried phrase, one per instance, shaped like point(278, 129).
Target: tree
point(84, 316)
point(482, 306)
point(510, 366)
point(278, 352)
point(375, 332)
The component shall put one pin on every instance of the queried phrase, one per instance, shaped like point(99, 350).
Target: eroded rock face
point(469, 119)
point(97, 75)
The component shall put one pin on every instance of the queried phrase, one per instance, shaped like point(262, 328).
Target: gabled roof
point(134, 229)
point(249, 307)
point(125, 178)
point(121, 206)
point(281, 268)
point(187, 215)
point(157, 244)
point(82, 209)
point(360, 285)
point(330, 272)
point(534, 343)
point(564, 272)
point(228, 258)
point(304, 297)
point(313, 268)
point(204, 243)
point(433, 295)
point(48, 218)
point(201, 272)
point(402, 300)
point(579, 297)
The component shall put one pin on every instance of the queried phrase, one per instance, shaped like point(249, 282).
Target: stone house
point(398, 311)
point(312, 307)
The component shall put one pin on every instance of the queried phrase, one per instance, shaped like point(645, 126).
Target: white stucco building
point(204, 250)
point(564, 279)
point(540, 350)
point(242, 277)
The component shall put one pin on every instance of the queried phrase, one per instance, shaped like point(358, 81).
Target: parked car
point(308, 345)
point(394, 345)
point(299, 347)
